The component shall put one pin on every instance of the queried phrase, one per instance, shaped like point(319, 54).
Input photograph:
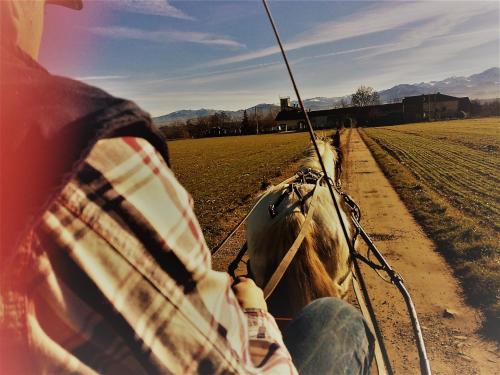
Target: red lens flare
point(68, 45)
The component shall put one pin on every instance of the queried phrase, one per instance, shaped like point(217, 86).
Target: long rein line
point(240, 223)
point(308, 121)
point(395, 278)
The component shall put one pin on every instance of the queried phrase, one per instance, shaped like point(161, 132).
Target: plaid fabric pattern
point(119, 280)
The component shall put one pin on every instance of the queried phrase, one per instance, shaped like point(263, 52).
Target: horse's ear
point(336, 139)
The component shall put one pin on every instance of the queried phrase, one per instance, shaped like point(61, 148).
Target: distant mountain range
point(176, 117)
point(483, 85)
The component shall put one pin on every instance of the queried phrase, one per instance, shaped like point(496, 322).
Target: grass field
point(447, 174)
point(222, 174)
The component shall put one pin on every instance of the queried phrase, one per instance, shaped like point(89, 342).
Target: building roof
point(438, 97)
point(290, 114)
point(296, 114)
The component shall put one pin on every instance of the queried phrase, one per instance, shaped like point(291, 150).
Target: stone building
point(411, 109)
point(434, 107)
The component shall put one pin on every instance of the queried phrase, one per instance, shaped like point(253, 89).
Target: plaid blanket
point(117, 279)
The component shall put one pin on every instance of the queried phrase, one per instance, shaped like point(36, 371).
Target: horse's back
point(269, 238)
point(321, 266)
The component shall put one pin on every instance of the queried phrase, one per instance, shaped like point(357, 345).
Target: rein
point(290, 254)
point(235, 229)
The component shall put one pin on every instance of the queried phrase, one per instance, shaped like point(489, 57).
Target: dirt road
point(453, 347)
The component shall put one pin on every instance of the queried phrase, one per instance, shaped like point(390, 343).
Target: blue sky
point(172, 55)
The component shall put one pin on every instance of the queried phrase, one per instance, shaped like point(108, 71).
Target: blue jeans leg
point(329, 336)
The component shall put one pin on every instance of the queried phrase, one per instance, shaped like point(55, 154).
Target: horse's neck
point(328, 160)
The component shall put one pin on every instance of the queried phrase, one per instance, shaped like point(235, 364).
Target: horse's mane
point(329, 154)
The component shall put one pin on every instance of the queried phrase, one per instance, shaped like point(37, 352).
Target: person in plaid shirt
point(104, 265)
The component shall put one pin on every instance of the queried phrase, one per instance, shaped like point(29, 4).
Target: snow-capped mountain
point(477, 86)
point(484, 85)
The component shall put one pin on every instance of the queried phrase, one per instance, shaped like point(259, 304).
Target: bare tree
point(344, 103)
point(364, 96)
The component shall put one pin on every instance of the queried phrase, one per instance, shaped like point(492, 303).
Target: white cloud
point(341, 52)
point(241, 71)
point(441, 49)
point(163, 36)
point(100, 78)
point(149, 7)
point(434, 29)
point(379, 18)
point(216, 73)
point(236, 76)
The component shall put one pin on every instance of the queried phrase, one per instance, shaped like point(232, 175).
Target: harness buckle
point(272, 207)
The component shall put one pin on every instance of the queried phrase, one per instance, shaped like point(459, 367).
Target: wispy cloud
point(241, 71)
point(163, 36)
point(430, 31)
point(375, 19)
point(238, 76)
point(216, 73)
point(342, 52)
point(100, 78)
point(149, 7)
point(441, 49)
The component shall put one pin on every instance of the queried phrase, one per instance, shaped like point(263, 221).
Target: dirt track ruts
point(452, 344)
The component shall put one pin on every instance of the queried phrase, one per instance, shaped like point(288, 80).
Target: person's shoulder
point(84, 91)
point(126, 151)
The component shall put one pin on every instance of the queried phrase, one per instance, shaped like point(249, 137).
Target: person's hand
point(249, 295)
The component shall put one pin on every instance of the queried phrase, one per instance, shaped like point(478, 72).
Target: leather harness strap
point(303, 176)
point(235, 229)
point(287, 259)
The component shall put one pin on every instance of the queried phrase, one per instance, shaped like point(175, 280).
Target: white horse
point(322, 265)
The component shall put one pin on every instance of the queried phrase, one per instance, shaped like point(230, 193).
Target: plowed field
point(447, 174)
point(459, 159)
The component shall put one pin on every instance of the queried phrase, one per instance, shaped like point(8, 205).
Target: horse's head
point(331, 154)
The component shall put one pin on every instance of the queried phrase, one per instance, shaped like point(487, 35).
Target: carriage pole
point(397, 280)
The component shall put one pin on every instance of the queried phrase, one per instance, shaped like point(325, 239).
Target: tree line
point(485, 108)
point(221, 124)
point(255, 122)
